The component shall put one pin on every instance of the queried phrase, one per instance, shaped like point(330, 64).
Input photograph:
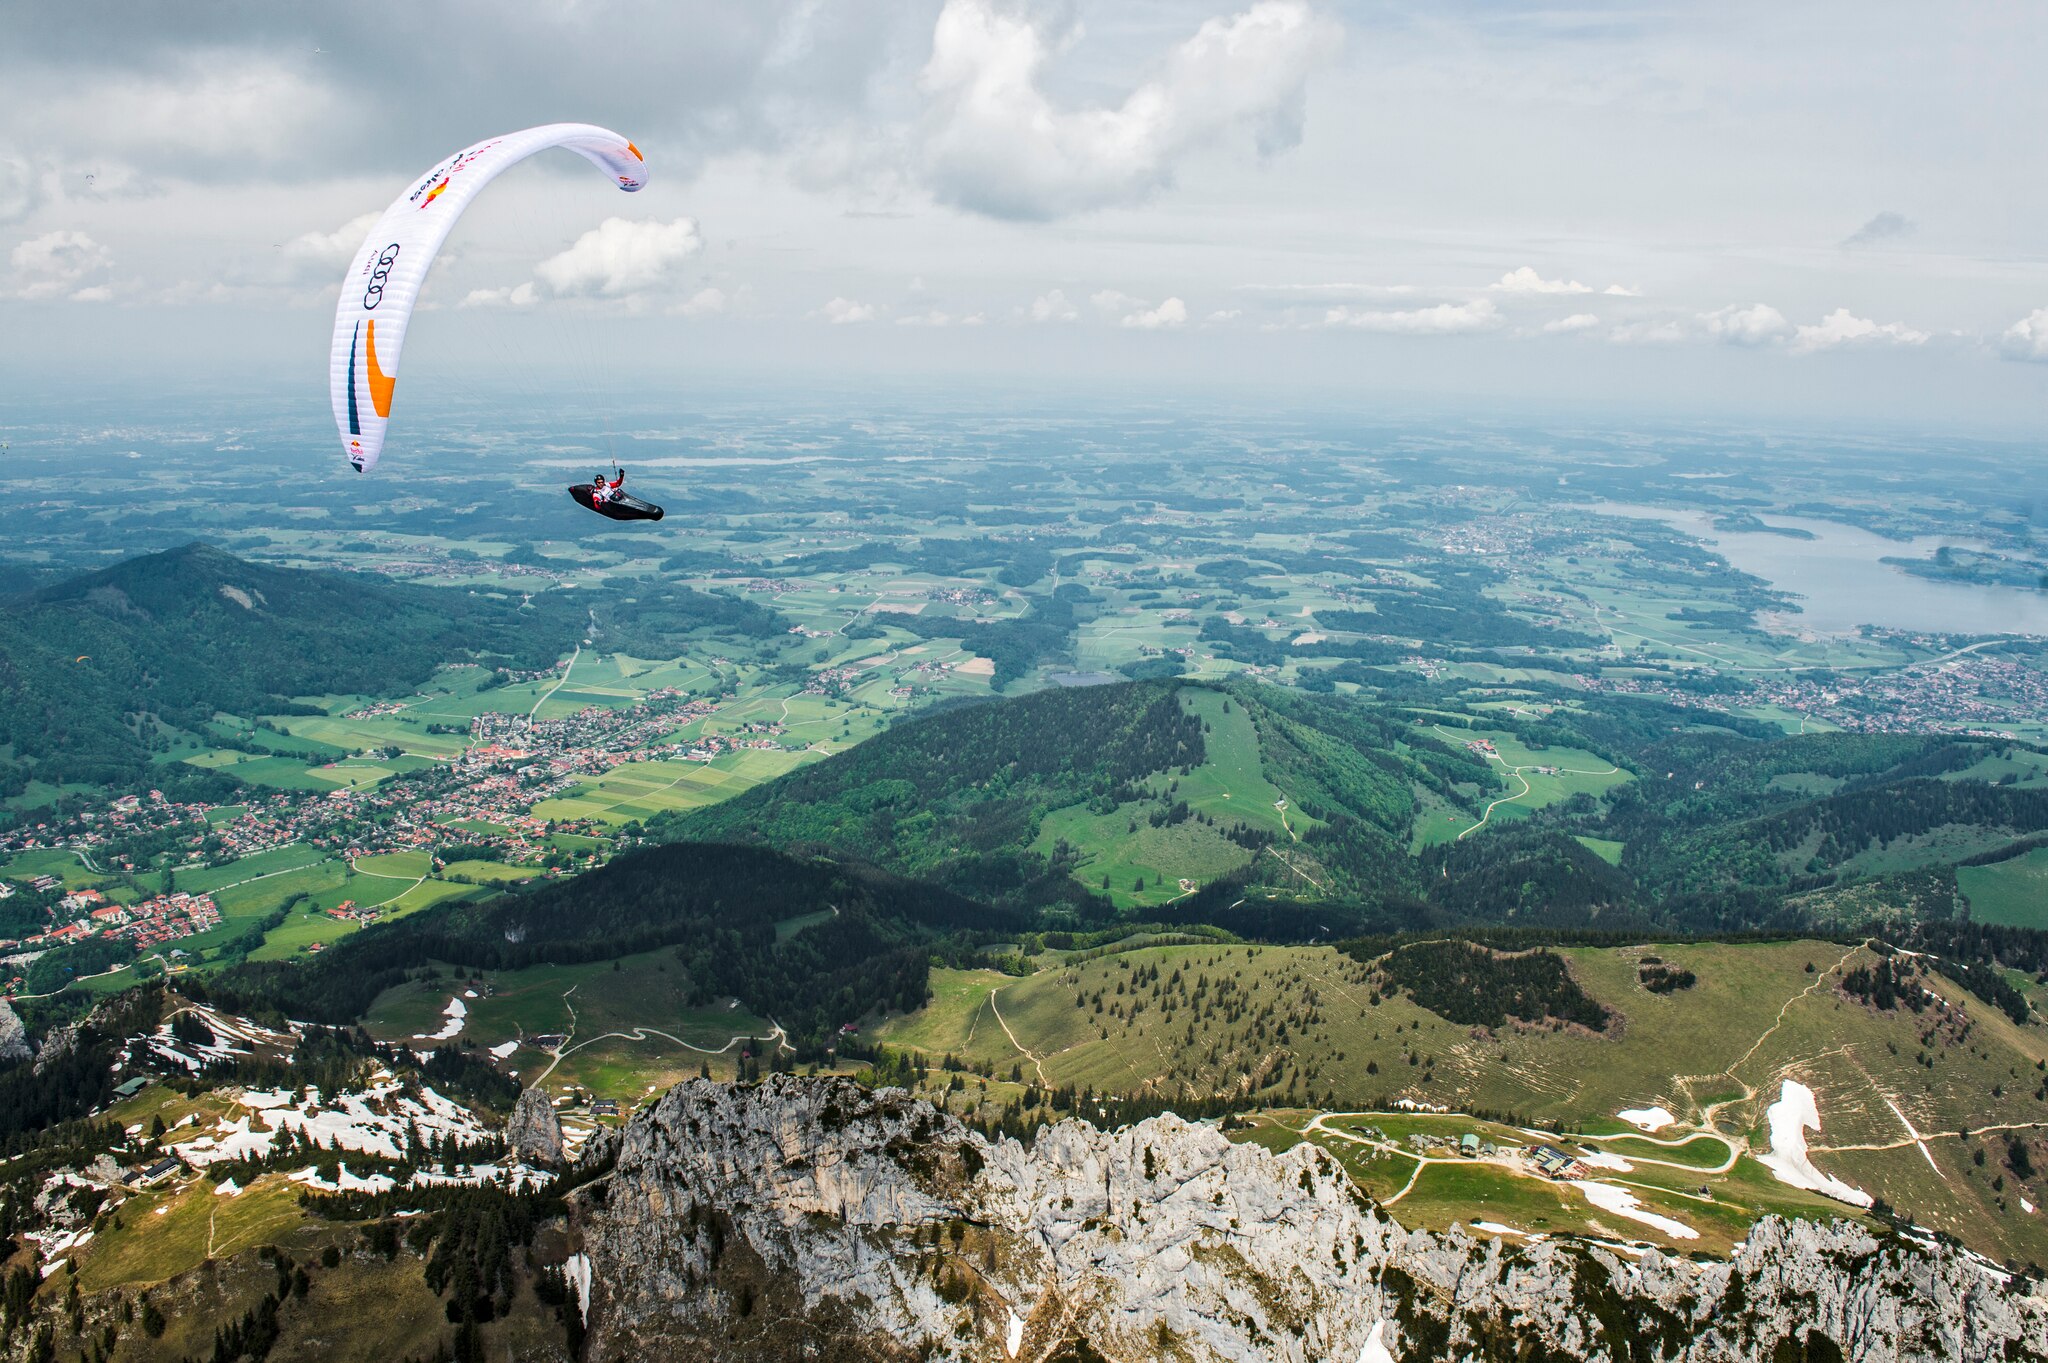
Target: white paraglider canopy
point(378, 293)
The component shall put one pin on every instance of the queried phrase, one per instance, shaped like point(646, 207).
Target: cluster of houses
point(1547, 1160)
point(147, 923)
point(166, 918)
point(1554, 1163)
point(349, 912)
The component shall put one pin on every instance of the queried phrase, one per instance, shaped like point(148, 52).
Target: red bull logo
point(434, 193)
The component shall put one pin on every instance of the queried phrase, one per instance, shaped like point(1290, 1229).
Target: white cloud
point(1666, 331)
point(93, 293)
point(933, 318)
point(520, 296)
point(1138, 312)
point(1052, 307)
point(841, 311)
point(59, 263)
point(995, 143)
point(1526, 280)
point(329, 252)
point(1578, 321)
point(225, 112)
point(1842, 327)
point(621, 256)
point(1445, 319)
point(2027, 339)
point(1222, 315)
point(706, 302)
point(1171, 313)
point(1621, 291)
point(1760, 324)
point(20, 189)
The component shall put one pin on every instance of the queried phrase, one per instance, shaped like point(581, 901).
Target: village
point(511, 764)
point(1978, 693)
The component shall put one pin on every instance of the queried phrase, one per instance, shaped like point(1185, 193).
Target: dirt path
point(1920, 1139)
point(1487, 813)
point(1820, 978)
point(1026, 1051)
point(556, 687)
point(1288, 862)
point(775, 1034)
point(1516, 771)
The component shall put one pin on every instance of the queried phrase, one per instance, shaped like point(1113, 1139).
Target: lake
point(1842, 582)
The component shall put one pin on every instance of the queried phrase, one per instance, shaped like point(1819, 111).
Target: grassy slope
point(2014, 891)
point(1755, 1018)
point(1229, 786)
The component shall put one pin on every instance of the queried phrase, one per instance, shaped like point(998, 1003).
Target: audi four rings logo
point(373, 292)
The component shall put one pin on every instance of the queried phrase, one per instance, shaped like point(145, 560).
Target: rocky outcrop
point(817, 1219)
point(60, 1042)
point(13, 1036)
point(534, 1132)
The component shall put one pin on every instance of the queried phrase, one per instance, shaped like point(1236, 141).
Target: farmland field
point(2014, 891)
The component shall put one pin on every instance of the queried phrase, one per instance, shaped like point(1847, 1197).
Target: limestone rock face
point(13, 1036)
point(813, 1218)
point(61, 1042)
point(535, 1133)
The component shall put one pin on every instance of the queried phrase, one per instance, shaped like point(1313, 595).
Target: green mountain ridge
point(1040, 800)
point(1180, 801)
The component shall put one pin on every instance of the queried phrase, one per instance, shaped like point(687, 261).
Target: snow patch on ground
point(501, 1052)
point(1376, 1350)
point(577, 1271)
point(457, 1013)
point(54, 1246)
point(1601, 1159)
point(1496, 1228)
point(373, 1122)
point(1651, 1119)
point(1905, 1122)
point(228, 1189)
point(1791, 1117)
point(1610, 1197)
point(1014, 1340)
point(345, 1182)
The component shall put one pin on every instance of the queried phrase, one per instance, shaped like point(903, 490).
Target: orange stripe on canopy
point(381, 383)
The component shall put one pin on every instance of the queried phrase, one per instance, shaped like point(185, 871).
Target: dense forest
point(1475, 985)
point(717, 906)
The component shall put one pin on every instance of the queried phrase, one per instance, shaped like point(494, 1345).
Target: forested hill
point(865, 937)
point(961, 797)
point(957, 796)
point(87, 666)
point(1112, 801)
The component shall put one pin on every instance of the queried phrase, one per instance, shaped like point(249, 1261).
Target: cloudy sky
point(1825, 209)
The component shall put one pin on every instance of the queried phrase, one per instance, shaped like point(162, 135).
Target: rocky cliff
point(816, 1219)
point(534, 1133)
point(13, 1036)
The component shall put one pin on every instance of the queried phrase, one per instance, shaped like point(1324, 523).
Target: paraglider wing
point(380, 288)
